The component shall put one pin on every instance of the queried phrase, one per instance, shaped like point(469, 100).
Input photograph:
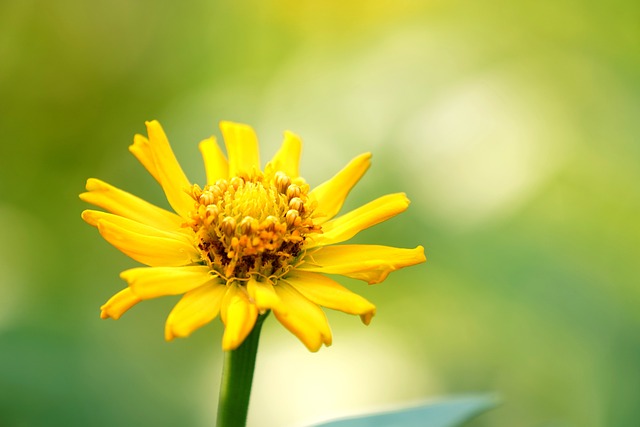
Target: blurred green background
point(512, 126)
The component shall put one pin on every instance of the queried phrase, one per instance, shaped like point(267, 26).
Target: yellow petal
point(153, 282)
point(118, 304)
point(331, 194)
point(303, 318)
point(173, 180)
point(94, 217)
point(287, 159)
point(195, 309)
point(238, 315)
point(350, 224)
point(121, 203)
point(148, 249)
point(262, 294)
point(142, 151)
point(328, 293)
point(370, 263)
point(215, 164)
point(242, 148)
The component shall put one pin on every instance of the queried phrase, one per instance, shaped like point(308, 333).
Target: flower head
point(246, 242)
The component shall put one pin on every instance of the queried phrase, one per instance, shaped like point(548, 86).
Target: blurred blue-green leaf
point(446, 413)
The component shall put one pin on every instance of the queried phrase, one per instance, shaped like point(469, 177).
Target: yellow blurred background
point(512, 126)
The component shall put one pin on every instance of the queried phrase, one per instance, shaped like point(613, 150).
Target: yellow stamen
point(252, 227)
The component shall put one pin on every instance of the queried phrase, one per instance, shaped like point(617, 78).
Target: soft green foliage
point(511, 125)
point(445, 413)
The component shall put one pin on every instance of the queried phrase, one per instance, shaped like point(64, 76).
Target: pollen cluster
point(252, 225)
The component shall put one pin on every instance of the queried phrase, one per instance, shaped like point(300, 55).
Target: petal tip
point(93, 184)
point(107, 313)
point(126, 276)
point(314, 344)
point(230, 344)
point(168, 333)
point(288, 134)
point(207, 141)
point(138, 140)
point(365, 158)
point(366, 317)
point(90, 218)
point(327, 340)
point(420, 249)
point(226, 125)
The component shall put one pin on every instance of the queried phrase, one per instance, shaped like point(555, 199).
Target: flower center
point(252, 226)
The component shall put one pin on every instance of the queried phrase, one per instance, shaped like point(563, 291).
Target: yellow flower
point(249, 241)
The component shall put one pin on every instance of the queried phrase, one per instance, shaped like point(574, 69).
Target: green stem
point(237, 376)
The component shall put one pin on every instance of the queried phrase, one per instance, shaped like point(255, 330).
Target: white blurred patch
point(478, 142)
point(482, 149)
point(294, 387)
point(347, 101)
